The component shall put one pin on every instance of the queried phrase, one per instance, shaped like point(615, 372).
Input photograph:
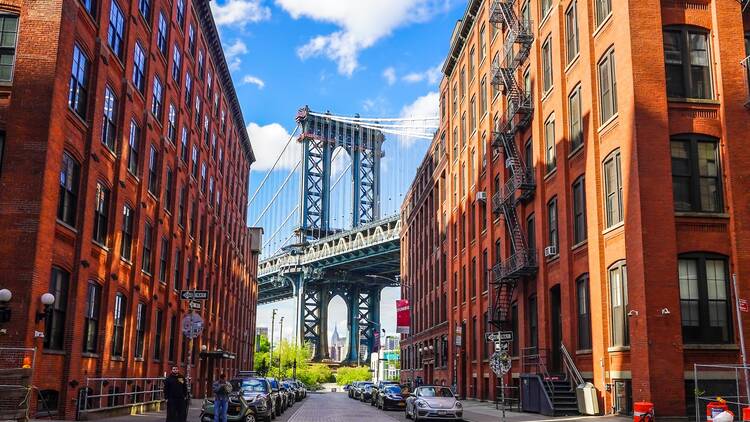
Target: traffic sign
point(194, 305)
point(194, 294)
point(499, 336)
point(192, 325)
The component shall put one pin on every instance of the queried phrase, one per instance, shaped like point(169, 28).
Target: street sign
point(744, 306)
point(499, 336)
point(192, 325)
point(194, 305)
point(194, 294)
point(500, 363)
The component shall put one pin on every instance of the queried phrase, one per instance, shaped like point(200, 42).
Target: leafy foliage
point(346, 375)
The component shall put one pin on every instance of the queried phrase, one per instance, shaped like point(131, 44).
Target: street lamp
point(273, 324)
point(281, 336)
point(5, 297)
point(47, 300)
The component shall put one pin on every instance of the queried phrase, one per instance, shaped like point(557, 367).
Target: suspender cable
point(373, 119)
point(262, 182)
point(281, 188)
point(281, 226)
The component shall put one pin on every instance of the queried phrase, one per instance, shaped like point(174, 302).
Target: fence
point(16, 371)
point(729, 382)
point(108, 393)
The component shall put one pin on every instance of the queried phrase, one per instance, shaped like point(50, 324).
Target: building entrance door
point(556, 329)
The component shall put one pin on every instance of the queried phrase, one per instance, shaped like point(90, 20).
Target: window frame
point(54, 327)
point(572, 42)
point(109, 123)
point(694, 178)
point(67, 202)
point(162, 34)
point(684, 34)
point(141, 315)
point(10, 50)
point(550, 145)
point(553, 218)
point(583, 316)
point(618, 314)
point(91, 318)
point(613, 216)
point(607, 89)
point(548, 81)
point(119, 318)
point(116, 30)
point(704, 332)
point(601, 17)
point(579, 210)
point(101, 214)
point(126, 244)
point(140, 67)
point(575, 120)
point(79, 80)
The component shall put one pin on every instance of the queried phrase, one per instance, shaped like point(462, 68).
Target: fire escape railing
point(746, 65)
point(520, 185)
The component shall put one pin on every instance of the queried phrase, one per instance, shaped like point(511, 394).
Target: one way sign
point(194, 294)
point(499, 336)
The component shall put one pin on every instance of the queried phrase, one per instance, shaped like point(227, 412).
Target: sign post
point(741, 330)
point(192, 326)
point(500, 362)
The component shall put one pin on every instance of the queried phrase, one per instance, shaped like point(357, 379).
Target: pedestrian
point(176, 392)
point(221, 398)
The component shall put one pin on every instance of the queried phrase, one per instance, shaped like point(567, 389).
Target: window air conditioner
point(550, 251)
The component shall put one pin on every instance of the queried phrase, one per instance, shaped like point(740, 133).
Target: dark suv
point(257, 393)
point(279, 396)
point(377, 388)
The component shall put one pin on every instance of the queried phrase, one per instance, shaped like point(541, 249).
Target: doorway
point(556, 329)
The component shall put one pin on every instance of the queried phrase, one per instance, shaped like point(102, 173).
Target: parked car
point(390, 397)
point(257, 393)
point(366, 393)
point(352, 389)
point(433, 402)
point(359, 389)
point(291, 395)
point(238, 410)
point(279, 398)
point(302, 388)
point(376, 388)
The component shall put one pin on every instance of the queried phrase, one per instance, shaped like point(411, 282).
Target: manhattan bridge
point(325, 238)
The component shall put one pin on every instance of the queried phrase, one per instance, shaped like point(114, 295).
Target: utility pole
point(270, 353)
point(281, 336)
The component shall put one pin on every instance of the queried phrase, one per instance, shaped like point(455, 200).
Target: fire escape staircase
point(520, 185)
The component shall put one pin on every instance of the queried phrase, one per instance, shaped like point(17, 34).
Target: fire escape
point(520, 184)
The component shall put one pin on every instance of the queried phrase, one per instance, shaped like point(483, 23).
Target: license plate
point(402, 404)
point(441, 412)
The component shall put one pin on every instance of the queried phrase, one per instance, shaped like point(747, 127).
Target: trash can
point(588, 403)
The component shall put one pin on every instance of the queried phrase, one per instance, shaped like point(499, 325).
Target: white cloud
point(390, 75)
point(268, 141)
point(427, 105)
point(239, 12)
point(362, 23)
point(233, 52)
point(431, 75)
point(250, 79)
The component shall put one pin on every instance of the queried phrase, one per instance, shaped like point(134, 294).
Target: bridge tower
point(314, 288)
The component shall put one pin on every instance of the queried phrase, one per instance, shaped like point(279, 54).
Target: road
point(338, 407)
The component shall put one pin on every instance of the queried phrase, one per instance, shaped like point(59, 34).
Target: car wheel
point(249, 418)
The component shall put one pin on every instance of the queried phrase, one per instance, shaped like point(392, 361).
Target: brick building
point(587, 188)
point(124, 166)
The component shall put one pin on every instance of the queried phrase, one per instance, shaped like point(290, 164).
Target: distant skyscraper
point(337, 345)
point(391, 343)
point(261, 331)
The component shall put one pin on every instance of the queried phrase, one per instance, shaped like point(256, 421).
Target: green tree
point(346, 375)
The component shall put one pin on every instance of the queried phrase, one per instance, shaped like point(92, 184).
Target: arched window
point(618, 304)
point(584, 312)
point(613, 189)
point(704, 298)
point(67, 201)
point(55, 326)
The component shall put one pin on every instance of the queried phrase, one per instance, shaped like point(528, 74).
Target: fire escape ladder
point(519, 186)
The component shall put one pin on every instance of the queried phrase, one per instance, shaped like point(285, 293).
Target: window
point(687, 61)
point(116, 30)
point(571, 31)
point(90, 6)
point(533, 323)
point(158, 333)
point(67, 202)
point(483, 96)
point(203, 177)
point(200, 64)
point(163, 255)
point(118, 329)
point(162, 34)
point(547, 65)
point(584, 314)
point(613, 188)
point(531, 233)
point(191, 39)
point(79, 80)
point(574, 115)
point(473, 114)
point(139, 68)
point(552, 238)
point(546, 8)
point(184, 148)
point(133, 140)
point(607, 87)
point(109, 126)
point(471, 63)
point(177, 269)
point(91, 323)
point(176, 63)
point(153, 177)
point(603, 10)
point(168, 190)
point(101, 214)
point(579, 210)
point(618, 302)
point(144, 6)
point(463, 129)
point(127, 233)
point(485, 271)
point(172, 123)
point(473, 277)
point(704, 299)
point(181, 13)
point(140, 329)
point(455, 98)
point(514, 329)
point(462, 82)
point(549, 145)
point(148, 246)
point(48, 403)
point(181, 207)
point(529, 159)
point(54, 328)
point(188, 88)
point(172, 337)
point(156, 99)
point(696, 174)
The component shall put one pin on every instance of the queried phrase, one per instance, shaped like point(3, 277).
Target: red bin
point(643, 411)
point(746, 414)
point(714, 408)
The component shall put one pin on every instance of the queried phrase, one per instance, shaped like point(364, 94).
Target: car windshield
point(368, 387)
point(274, 383)
point(392, 389)
point(255, 386)
point(435, 392)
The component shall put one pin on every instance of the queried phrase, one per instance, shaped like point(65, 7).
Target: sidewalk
point(481, 411)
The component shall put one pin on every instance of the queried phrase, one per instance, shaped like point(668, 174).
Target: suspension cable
point(276, 195)
point(262, 182)
point(281, 226)
point(282, 245)
point(375, 119)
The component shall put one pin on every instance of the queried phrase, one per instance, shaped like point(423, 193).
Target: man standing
point(175, 392)
point(221, 398)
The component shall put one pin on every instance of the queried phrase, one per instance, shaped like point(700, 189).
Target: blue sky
point(379, 58)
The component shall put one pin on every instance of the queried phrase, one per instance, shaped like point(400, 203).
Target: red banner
point(402, 316)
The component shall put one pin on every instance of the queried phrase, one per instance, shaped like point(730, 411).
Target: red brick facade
point(192, 229)
point(668, 228)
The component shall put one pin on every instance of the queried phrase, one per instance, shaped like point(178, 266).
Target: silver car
point(433, 403)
